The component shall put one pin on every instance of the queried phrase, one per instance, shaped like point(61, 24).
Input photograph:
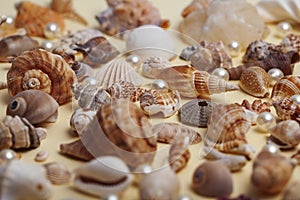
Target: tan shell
point(287, 86)
point(82, 71)
point(35, 105)
point(267, 178)
point(18, 133)
point(33, 18)
point(287, 109)
point(57, 173)
point(41, 70)
point(81, 118)
point(76, 149)
point(195, 5)
point(255, 81)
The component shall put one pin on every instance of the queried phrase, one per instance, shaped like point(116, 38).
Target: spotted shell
point(80, 119)
point(287, 109)
point(41, 70)
point(76, 149)
point(152, 66)
point(103, 176)
point(57, 173)
point(257, 106)
point(21, 180)
point(169, 131)
point(195, 5)
point(196, 112)
point(255, 81)
point(267, 178)
point(227, 128)
point(18, 133)
point(33, 18)
point(212, 179)
point(35, 105)
point(287, 86)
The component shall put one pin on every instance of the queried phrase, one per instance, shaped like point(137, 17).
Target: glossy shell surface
point(285, 88)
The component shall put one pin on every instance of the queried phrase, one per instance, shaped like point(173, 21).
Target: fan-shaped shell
point(33, 18)
point(41, 70)
point(285, 87)
point(76, 149)
point(35, 105)
point(115, 71)
point(196, 112)
point(57, 173)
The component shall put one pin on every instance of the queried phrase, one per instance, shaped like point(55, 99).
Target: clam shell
point(33, 18)
point(285, 87)
point(152, 66)
point(212, 179)
point(255, 81)
point(115, 71)
point(287, 109)
point(195, 5)
point(41, 70)
point(76, 149)
point(28, 180)
point(35, 105)
point(103, 176)
point(58, 173)
point(196, 112)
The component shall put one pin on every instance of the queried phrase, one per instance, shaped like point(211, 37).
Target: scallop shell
point(80, 119)
point(115, 71)
point(3, 85)
point(35, 105)
point(169, 131)
point(195, 5)
point(154, 101)
point(255, 81)
point(103, 176)
point(257, 106)
point(292, 191)
point(287, 109)
point(123, 15)
point(76, 149)
point(18, 133)
point(82, 71)
point(227, 128)
point(57, 173)
point(117, 126)
point(152, 66)
point(267, 178)
point(150, 188)
point(193, 83)
point(286, 87)
point(212, 179)
point(41, 70)
point(20, 180)
point(33, 18)
point(196, 112)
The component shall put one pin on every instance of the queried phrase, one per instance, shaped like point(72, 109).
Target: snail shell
point(82, 71)
point(41, 70)
point(212, 179)
point(287, 86)
point(80, 119)
point(35, 105)
point(287, 109)
point(57, 173)
point(76, 149)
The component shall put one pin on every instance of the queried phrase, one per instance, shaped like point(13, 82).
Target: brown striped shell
point(287, 109)
point(257, 106)
point(76, 149)
point(33, 18)
point(285, 87)
point(41, 70)
point(57, 173)
point(195, 5)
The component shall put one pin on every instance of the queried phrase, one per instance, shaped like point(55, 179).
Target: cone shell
point(35, 105)
point(287, 109)
point(76, 149)
point(33, 18)
point(255, 81)
point(57, 173)
point(287, 86)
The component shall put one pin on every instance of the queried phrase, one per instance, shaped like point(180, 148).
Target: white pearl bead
point(112, 197)
point(51, 30)
point(159, 84)
point(8, 154)
point(133, 59)
point(47, 45)
point(184, 197)
point(296, 98)
point(275, 74)
point(283, 28)
point(222, 73)
point(234, 48)
point(271, 148)
point(265, 121)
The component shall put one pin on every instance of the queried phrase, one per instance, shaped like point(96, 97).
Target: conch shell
point(41, 70)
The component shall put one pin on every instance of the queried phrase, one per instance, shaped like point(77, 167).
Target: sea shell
point(255, 81)
point(18, 133)
point(292, 191)
point(196, 112)
point(42, 70)
point(296, 156)
point(169, 131)
point(207, 25)
point(14, 45)
point(150, 188)
point(285, 87)
point(232, 162)
point(227, 128)
point(152, 66)
point(96, 51)
point(33, 18)
point(195, 5)
point(123, 15)
point(115, 71)
point(179, 153)
point(82, 71)
point(57, 173)
point(277, 11)
point(267, 178)
point(291, 42)
point(193, 83)
point(65, 8)
point(150, 40)
point(41, 156)
point(35, 105)
point(20, 180)
point(80, 119)
point(257, 106)
point(287, 132)
point(212, 179)
point(287, 109)
point(116, 128)
point(154, 101)
point(3, 85)
point(103, 176)
point(76, 149)
point(7, 30)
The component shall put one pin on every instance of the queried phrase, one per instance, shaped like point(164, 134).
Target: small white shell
point(41, 156)
point(80, 118)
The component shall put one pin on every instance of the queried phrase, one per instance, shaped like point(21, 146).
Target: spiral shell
point(285, 87)
point(82, 71)
point(76, 149)
point(57, 173)
point(80, 119)
point(35, 105)
point(41, 70)
point(287, 109)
